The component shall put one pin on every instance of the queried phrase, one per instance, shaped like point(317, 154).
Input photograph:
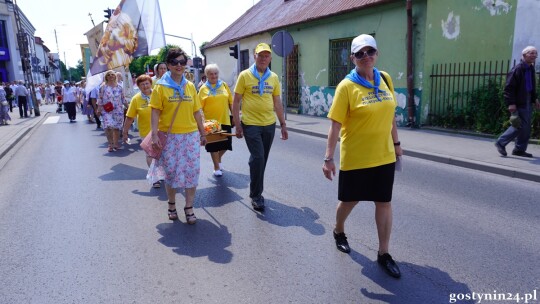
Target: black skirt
point(221, 145)
point(370, 184)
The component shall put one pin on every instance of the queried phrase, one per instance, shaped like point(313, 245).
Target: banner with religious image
point(134, 29)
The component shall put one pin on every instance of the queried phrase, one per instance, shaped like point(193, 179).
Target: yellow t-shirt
point(216, 107)
point(138, 108)
point(164, 99)
point(256, 109)
point(366, 124)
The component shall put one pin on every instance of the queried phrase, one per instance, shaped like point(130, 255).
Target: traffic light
point(234, 51)
point(197, 62)
point(108, 13)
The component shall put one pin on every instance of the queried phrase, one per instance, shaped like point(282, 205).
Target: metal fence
point(452, 83)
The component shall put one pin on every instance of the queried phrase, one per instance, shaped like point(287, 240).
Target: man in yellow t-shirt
point(258, 91)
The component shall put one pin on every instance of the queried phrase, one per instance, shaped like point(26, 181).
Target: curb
point(21, 134)
point(451, 160)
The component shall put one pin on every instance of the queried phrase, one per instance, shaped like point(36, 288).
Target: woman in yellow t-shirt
point(181, 153)
point(363, 109)
point(139, 109)
point(216, 101)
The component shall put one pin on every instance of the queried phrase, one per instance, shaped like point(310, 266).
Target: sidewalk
point(450, 148)
point(455, 149)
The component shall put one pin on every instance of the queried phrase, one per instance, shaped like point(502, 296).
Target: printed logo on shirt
point(371, 98)
point(268, 89)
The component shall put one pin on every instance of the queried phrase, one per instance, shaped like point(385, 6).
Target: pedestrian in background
point(520, 95)
point(363, 110)
point(4, 107)
point(112, 121)
point(58, 95)
point(92, 101)
point(47, 93)
point(139, 109)
point(69, 99)
point(21, 95)
point(258, 92)
point(159, 70)
point(181, 154)
point(216, 101)
point(9, 96)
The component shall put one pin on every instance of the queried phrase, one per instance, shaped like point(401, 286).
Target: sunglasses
point(175, 62)
point(361, 54)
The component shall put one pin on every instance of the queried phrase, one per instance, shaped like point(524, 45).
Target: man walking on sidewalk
point(21, 95)
point(520, 94)
point(258, 90)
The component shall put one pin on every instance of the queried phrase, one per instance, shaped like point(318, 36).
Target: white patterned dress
point(115, 118)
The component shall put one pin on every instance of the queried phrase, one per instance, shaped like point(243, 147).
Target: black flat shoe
point(521, 153)
point(389, 265)
point(341, 242)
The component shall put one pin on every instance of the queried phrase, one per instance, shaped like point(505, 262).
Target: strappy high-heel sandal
point(173, 215)
point(190, 217)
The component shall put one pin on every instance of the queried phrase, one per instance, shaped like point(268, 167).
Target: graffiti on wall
point(316, 101)
point(450, 27)
point(496, 7)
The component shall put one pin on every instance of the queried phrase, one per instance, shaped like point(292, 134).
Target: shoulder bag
point(108, 107)
point(146, 144)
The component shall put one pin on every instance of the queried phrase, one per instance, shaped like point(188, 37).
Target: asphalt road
point(80, 225)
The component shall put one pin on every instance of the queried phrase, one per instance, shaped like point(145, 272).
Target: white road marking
point(51, 120)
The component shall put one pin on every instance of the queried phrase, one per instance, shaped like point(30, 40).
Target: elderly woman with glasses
point(111, 109)
point(216, 101)
point(363, 110)
point(180, 156)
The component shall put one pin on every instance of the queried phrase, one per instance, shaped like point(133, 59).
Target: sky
point(201, 19)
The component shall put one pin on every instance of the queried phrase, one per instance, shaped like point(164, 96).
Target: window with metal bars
point(244, 59)
point(340, 63)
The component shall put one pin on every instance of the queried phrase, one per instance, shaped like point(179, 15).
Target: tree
point(162, 55)
point(202, 47)
point(63, 71)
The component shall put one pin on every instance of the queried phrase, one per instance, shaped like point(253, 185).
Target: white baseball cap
point(362, 41)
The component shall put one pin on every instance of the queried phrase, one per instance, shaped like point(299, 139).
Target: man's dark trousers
point(23, 103)
point(259, 141)
point(71, 109)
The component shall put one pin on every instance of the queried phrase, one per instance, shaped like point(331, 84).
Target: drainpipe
point(411, 107)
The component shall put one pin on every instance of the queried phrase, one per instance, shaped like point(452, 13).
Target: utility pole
point(22, 39)
point(90, 14)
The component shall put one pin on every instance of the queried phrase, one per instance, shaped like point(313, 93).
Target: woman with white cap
point(363, 110)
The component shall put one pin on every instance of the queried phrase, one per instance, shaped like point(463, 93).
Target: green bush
point(485, 111)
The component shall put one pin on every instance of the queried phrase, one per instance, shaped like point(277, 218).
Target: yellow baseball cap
point(262, 47)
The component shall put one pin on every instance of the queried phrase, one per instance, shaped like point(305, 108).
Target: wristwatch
point(328, 159)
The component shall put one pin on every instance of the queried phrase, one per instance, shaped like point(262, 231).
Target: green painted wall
point(388, 23)
point(465, 31)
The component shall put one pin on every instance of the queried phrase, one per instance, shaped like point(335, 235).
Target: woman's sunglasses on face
point(362, 54)
point(175, 62)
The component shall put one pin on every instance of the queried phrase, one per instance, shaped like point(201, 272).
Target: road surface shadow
point(286, 216)
point(124, 172)
point(418, 284)
point(204, 239)
point(160, 193)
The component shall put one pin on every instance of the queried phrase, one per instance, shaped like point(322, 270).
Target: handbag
point(146, 144)
point(108, 107)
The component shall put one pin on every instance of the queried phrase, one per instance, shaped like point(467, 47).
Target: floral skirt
point(180, 160)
